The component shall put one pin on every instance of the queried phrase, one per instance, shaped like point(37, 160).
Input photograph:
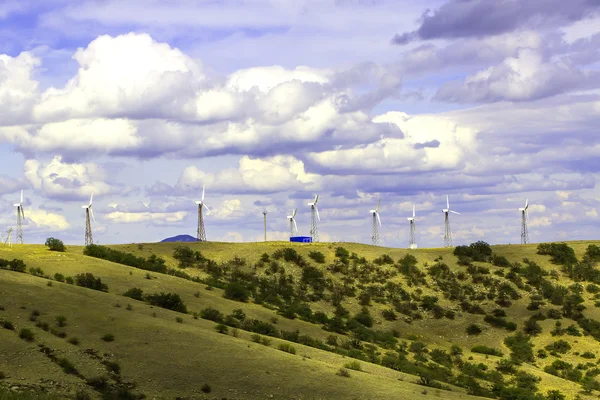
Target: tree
point(555, 395)
point(55, 244)
point(237, 291)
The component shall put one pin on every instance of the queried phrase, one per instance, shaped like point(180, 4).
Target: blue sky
point(268, 102)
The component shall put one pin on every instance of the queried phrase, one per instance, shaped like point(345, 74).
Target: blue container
point(301, 239)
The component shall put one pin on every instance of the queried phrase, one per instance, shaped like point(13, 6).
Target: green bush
point(69, 280)
point(487, 350)
point(73, 341)
point(134, 293)
point(8, 325)
point(67, 366)
point(59, 277)
point(343, 372)
point(237, 291)
point(89, 281)
point(55, 244)
point(109, 337)
point(473, 329)
point(211, 314)
point(317, 257)
point(560, 346)
point(222, 328)
point(26, 334)
point(112, 366)
point(521, 349)
point(354, 365)
point(389, 315)
point(17, 265)
point(170, 301)
point(61, 321)
point(206, 388)
point(288, 348)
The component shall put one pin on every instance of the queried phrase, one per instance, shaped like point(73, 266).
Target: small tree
point(55, 244)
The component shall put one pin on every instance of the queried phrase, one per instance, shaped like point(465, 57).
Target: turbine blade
point(317, 210)
point(413, 210)
point(378, 219)
point(316, 199)
point(205, 206)
point(294, 213)
point(91, 198)
point(21, 196)
point(378, 204)
point(22, 212)
point(447, 202)
point(92, 213)
point(454, 212)
point(203, 187)
point(295, 226)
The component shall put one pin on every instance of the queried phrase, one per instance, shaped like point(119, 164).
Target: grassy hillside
point(399, 318)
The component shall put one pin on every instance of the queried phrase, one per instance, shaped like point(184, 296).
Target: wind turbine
point(447, 232)
point(293, 226)
point(265, 223)
point(20, 218)
point(88, 224)
point(7, 240)
point(524, 223)
point(413, 227)
point(376, 224)
point(200, 232)
point(314, 216)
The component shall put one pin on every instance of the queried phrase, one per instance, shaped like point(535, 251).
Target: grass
point(150, 343)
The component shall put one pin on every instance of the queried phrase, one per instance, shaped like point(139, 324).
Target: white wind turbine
point(376, 224)
point(293, 226)
point(88, 224)
point(314, 216)
point(524, 223)
point(20, 218)
point(447, 232)
point(413, 227)
point(200, 232)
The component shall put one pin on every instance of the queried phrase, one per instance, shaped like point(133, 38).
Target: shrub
point(389, 315)
point(288, 348)
point(500, 261)
point(317, 257)
point(26, 334)
point(179, 320)
point(206, 388)
point(222, 328)
point(473, 329)
point(61, 321)
point(487, 350)
point(89, 281)
point(588, 354)
point(560, 346)
point(240, 315)
point(343, 372)
point(8, 325)
point(112, 366)
point(236, 291)
point(69, 280)
point(354, 365)
point(59, 277)
point(67, 366)
point(531, 327)
point(73, 341)
point(170, 301)
point(109, 337)
point(211, 314)
point(520, 347)
point(99, 383)
point(55, 244)
point(134, 293)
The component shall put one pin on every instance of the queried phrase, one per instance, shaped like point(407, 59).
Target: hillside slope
point(162, 357)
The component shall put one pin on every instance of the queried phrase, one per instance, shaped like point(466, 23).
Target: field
point(167, 354)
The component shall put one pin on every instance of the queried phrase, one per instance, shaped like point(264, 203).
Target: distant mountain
point(180, 238)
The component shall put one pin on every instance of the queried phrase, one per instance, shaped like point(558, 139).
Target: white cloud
point(47, 220)
point(59, 180)
point(137, 217)
point(18, 91)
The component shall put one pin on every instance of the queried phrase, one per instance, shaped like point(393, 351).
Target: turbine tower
point(265, 223)
point(7, 240)
point(314, 216)
point(200, 232)
point(293, 226)
point(88, 224)
point(20, 218)
point(413, 227)
point(448, 232)
point(376, 224)
point(524, 222)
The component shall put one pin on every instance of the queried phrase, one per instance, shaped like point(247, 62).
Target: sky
point(270, 102)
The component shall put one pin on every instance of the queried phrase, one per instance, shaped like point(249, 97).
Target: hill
point(180, 238)
point(410, 320)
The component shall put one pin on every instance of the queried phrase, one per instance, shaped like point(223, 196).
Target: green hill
point(399, 318)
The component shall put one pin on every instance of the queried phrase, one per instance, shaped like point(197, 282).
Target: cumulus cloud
point(18, 90)
point(47, 220)
point(430, 143)
point(120, 217)
point(524, 77)
point(66, 181)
